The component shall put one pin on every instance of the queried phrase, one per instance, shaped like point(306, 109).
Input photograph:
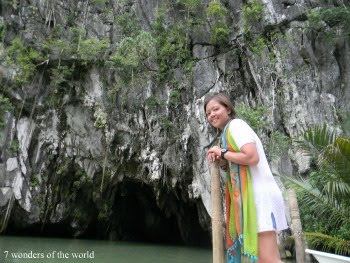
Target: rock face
point(103, 147)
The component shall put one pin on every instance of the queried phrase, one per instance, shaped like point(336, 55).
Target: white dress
point(269, 202)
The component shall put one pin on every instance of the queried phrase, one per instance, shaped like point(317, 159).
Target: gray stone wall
point(73, 160)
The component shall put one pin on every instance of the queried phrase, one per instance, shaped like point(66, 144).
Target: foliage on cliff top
point(172, 45)
point(219, 31)
point(23, 60)
point(322, 17)
point(253, 11)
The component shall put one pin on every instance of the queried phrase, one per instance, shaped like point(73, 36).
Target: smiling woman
point(219, 110)
point(254, 203)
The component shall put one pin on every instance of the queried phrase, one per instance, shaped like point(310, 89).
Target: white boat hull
point(323, 257)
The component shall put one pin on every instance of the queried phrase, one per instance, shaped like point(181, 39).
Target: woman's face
point(217, 114)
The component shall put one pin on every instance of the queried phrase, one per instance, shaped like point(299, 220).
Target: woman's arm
point(247, 156)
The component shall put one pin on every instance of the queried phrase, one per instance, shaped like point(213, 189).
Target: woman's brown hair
point(222, 99)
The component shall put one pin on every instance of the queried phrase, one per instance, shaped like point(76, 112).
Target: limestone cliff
point(104, 133)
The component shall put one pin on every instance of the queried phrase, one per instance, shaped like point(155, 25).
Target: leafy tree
point(92, 49)
point(190, 4)
point(128, 24)
point(324, 196)
point(220, 31)
point(172, 46)
point(332, 16)
point(323, 20)
point(253, 11)
point(134, 55)
point(23, 59)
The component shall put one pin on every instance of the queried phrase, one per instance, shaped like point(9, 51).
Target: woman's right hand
point(214, 154)
point(212, 157)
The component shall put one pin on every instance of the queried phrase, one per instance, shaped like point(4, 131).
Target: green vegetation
point(324, 196)
point(132, 55)
point(175, 96)
point(152, 102)
point(127, 55)
point(253, 11)
point(61, 76)
point(69, 183)
point(5, 105)
point(344, 121)
point(220, 30)
point(128, 24)
point(99, 4)
point(34, 180)
point(156, 54)
point(92, 49)
point(332, 16)
point(100, 118)
point(77, 52)
point(2, 31)
point(252, 14)
point(323, 19)
point(175, 93)
point(166, 124)
point(78, 48)
point(13, 147)
point(172, 46)
point(105, 212)
point(190, 5)
point(23, 60)
point(255, 117)
point(258, 46)
point(276, 142)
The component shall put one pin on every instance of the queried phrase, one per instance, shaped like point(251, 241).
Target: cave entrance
point(137, 217)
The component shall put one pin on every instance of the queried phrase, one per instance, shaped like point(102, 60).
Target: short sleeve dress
point(269, 202)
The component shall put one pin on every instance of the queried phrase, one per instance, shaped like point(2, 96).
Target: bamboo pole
point(296, 228)
point(216, 214)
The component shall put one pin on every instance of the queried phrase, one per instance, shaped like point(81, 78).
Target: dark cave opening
point(137, 217)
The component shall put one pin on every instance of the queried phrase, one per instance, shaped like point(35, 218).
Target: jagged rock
point(131, 156)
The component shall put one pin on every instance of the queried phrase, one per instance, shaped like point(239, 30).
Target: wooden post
point(216, 214)
point(296, 228)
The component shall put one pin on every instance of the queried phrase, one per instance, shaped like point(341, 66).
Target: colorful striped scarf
point(241, 222)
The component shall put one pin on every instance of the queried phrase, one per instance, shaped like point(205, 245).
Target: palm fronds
point(322, 203)
point(316, 139)
point(324, 196)
point(328, 243)
point(337, 156)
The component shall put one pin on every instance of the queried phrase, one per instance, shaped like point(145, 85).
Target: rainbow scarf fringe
point(241, 222)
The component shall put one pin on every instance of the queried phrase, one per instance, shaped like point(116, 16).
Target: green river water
point(52, 250)
point(15, 249)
